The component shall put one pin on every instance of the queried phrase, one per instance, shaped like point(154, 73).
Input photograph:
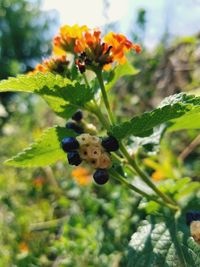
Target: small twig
point(42, 226)
point(51, 179)
point(184, 154)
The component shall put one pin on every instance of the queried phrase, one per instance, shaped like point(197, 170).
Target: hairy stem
point(104, 95)
point(145, 177)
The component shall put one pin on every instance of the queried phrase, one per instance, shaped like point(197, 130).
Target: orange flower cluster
point(66, 40)
point(91, 50)
point(120, 45)
point(82, 176)
point(57, 64)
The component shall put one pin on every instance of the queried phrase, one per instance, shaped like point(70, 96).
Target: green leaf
point(171, 108)
point(191, 120)
point(189, 190)
point(62, 95)
point(120, 71)
point(163, 245)
point(149, 143)
point(45, 151)
point(33, 83)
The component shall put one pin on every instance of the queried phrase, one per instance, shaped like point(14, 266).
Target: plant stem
point(41, 226)
point(105, 97)
point(167, 200)
point(184, 154)
point(123, 161)
point(118, 158)
point(121, 179)
point(145, 177)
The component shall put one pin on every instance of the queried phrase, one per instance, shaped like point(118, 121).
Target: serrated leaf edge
point(30, 147)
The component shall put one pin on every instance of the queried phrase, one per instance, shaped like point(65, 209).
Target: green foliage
point(149, 143)
point(62, 95)
point(19, 20)
point(90, 215)
point(191, 120)
point(181, 189)
point(45, 151)
point(163, 244)
point(120, 71)
point(33, 83)
point(172, 107)
point(51, 220)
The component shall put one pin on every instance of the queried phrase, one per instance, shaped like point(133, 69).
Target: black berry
point(74, 158)
point(110, 143)
point(75, 127)
point(192, 216)
point(101, 176)
point(69, 144)
point(78, 115)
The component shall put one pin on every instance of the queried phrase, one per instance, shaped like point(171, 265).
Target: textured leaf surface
point(120, 71)
point(159, 245)
point(62, 95)
point(33, 83)
point(171, 108)
point(191, 120)
point(45, 151)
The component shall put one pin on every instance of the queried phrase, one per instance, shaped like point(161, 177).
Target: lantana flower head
point(68, 36)
point(90, 49)
point(120, 45)
point(57, 64)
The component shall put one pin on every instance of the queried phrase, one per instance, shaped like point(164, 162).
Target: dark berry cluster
point(70, 145)
point(94, 151)
point(192, 216)
point(110, 143)
point(75, 124)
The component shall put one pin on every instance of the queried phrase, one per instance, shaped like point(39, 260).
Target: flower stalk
point(105, 96)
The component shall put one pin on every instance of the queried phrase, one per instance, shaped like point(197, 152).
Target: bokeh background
point(56, 216)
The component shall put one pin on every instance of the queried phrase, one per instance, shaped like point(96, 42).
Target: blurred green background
point(87, 223)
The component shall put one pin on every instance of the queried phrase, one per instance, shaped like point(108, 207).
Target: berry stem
point(104, 95)
point(121, 179)
point(118, 158)
point(145, 177)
